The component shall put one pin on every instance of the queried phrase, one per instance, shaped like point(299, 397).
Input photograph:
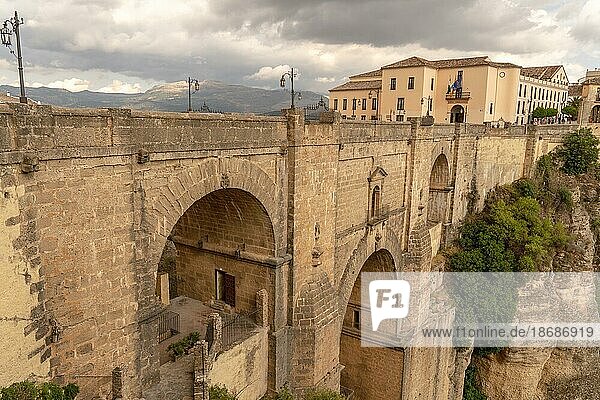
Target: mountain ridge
point(173, 96)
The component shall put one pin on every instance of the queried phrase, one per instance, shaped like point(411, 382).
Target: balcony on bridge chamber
point(378, 215)
point(458, 95)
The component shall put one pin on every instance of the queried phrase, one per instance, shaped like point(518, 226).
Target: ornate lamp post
point(291, 75)
point(429, 100)
point(196, 84)
point(6, 34)
point(376, 93)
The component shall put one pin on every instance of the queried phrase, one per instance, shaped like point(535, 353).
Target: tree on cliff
point(579, 152)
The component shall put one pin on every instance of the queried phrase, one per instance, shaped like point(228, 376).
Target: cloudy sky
point(131, 45)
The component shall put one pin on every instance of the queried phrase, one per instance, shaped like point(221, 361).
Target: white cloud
point(269, 73)
point(325, 79)
point(71, 84)
point(118, 86)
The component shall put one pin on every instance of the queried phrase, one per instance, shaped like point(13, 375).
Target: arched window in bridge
point(376, 209)
point(376, 202)
point(595, 117)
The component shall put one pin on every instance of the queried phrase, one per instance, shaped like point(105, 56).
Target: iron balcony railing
point(168, 325)
point(458, 95)
point(237, 327)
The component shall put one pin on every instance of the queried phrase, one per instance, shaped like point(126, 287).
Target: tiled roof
point(370, 74)
point(592, 81)
point(545, 73)
point(575, 90)
point(358, 85)
point(450, 63)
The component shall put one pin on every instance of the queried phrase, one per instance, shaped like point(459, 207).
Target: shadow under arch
point(166, 204)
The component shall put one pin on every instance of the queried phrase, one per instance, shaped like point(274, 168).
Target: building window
point(363, 117)
point(356, 319)
point(400, 103)
point(491, 108)
point(518, 107)
point(459, 76)
point(374, 103)
point(335, 104)
point(520, 89)
point(353, 104)
point(225, 287)
point(400, 118)
point(393, 84)
point(411, 82)
point(364, 104)
point(432, 80)
point(345, 104)
point(525, 91)
point(375, 202)
point(535, 93)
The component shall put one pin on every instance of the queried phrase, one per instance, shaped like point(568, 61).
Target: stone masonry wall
point(89, 197)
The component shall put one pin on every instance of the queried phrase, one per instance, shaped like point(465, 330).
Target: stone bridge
point(89, 199)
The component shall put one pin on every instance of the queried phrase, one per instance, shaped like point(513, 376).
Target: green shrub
point(565, 197)
point(471, 391)
point(570, 111)
point(42, 391)
point(284, 394)
point(579, 152)
point(182, 346)
point(217, 392)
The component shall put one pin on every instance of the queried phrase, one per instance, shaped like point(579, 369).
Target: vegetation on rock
point(579, 152)
point(27, 390)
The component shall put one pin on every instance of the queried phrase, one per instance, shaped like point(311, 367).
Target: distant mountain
point(218, 96)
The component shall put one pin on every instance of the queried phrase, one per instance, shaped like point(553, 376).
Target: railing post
point(262, 308)
point(201, 369)
point(215, 324)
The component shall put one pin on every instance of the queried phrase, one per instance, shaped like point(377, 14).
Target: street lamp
point(6, 33)
point(429, 100)
point(290, 74)
point(371, 92)
point(196, 84)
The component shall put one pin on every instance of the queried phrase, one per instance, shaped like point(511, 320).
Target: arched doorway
point(457, 114)
point(221, 252)
point(369, 372)
point(595, 115)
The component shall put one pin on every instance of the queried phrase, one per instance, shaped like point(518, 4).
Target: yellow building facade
point(474, 90)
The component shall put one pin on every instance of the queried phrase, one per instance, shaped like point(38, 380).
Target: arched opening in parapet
point(220, 253)
point(595, 116)
point(369, 372)
point(439, 181)
point(457, 114)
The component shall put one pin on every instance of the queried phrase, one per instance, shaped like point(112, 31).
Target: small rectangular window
point(363, 117)
point(335, 104)
point(364, 104)
point(374, 103)
point(525, 91)
point(411, 82)
point(393, 84)
point(520, 89)
point(356, 319)
point(400, 103)
point(491, 108)
point(432, 81)
point(345, 104)
point(354, 104)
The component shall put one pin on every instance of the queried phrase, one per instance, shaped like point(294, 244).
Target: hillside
point(218, 96)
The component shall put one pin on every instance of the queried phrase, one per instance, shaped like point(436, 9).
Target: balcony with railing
point(458, 95)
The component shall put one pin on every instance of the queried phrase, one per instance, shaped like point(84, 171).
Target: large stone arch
point(166, 204)
point(365, 248)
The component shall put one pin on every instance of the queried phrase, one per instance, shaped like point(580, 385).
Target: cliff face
point(560, 373)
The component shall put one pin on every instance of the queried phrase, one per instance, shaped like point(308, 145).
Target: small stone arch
point(365, 248)
point(167, 203)
point(457, 114)
point(439, 182)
